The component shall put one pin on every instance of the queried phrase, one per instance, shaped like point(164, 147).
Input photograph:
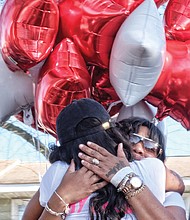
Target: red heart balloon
point(27, 32)
point(171, 93)
point(92, 25)
point(160, 2)
point(63, 77)
point(177, 20)
point(102, 90)
point(132, 4)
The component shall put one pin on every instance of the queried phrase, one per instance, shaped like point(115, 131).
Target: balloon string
point(113, 104)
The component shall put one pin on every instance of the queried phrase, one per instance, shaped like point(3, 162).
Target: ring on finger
point(95, 161)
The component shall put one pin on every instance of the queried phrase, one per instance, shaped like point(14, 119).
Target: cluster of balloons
point(109, 50)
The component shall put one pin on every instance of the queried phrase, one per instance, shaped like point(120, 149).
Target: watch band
point(131, 185)
point(132, 194)
point(123, 183)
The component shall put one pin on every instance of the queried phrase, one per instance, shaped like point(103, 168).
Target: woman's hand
point(108, 164)
point(77, 185)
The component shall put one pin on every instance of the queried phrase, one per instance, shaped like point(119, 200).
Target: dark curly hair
point(116, 204)
point(132, 125)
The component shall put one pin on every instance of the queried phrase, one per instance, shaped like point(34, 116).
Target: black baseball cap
point(74, 113)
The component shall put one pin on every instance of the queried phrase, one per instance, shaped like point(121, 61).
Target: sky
point(14, 147)
point(178, 138)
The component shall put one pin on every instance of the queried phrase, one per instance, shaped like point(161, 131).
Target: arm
point(145, 205)
point(174, 182)
point(173, 200)
point(177, 211)
point(33, 209)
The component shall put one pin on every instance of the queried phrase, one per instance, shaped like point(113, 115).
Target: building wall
point(186, 197)
point(12, 209)
point(17, 208)
point(5, 209)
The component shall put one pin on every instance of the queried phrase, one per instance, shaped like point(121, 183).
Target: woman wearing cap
point(86, 120)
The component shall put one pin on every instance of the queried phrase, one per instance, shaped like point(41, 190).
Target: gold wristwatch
point(133, 183)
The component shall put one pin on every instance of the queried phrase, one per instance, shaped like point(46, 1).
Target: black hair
point(116, 204)
point(132, 125)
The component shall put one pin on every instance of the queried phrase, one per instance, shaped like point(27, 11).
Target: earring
point(159, 152)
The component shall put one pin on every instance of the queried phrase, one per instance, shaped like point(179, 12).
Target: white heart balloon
point(138, 54)
point(16, 91)
point(144, 110)
point(140, 109)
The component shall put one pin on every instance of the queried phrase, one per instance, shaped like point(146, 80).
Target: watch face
point(136, 182)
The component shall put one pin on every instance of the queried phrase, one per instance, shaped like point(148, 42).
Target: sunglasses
point(147, 143)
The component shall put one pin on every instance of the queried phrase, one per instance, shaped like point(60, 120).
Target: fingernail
point(80, 154)
point(89, 143)
point(81, 146)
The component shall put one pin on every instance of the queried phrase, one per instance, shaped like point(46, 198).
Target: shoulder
point(51, 180)
point(57, 165)
point(152, 171)
point(56, 168)
point(149, 164)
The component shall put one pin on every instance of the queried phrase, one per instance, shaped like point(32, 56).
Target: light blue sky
point(14, 147)
point(178, 138)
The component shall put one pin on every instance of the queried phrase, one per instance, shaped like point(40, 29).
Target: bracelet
point(118, 177)
point(136, 192)
point(67, 209)
point(61, 214)
point(124, 181)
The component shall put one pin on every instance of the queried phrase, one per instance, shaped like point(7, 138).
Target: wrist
point(120, 175)
point(131, 185)
point(56, 204)
point(65, 195)
point(55, 213)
